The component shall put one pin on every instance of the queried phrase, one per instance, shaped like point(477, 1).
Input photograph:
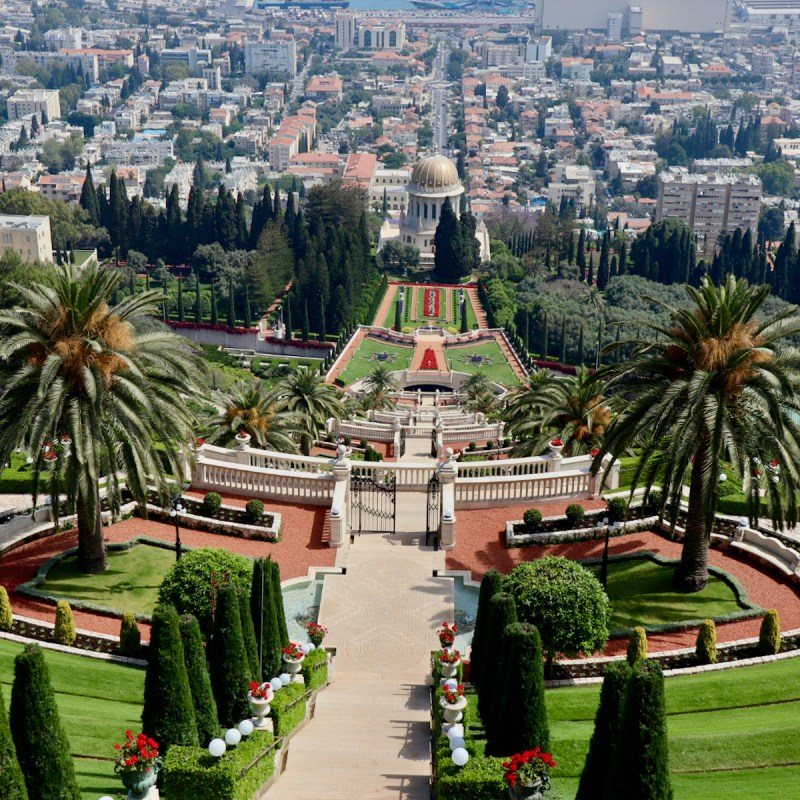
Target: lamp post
point(176, 510)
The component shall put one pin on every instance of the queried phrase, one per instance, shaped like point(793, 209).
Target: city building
point(614, 26)
point(345, 36)
point(272, 56)
point(709, 204)
point(25, 102)
point(324, 87)
point(61, 187)
point(374, 35)
point(29, 236)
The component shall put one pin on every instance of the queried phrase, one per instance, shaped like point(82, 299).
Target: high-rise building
point(709, 204)
point(614, 26)
point(345, 30)
point(279, 55)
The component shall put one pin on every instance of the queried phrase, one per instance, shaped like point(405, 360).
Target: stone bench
point(767, 549)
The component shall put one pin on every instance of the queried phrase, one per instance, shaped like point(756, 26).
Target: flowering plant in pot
point(258, 698)
point(260, 691)
point(449, 656)
point(293, 656)
point(447, 634)
point(316, 633)
point(137, 763)
point(453, 696)
point(527, 774)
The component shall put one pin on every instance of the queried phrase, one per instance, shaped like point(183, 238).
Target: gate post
point(447, 475)
point(340, 527)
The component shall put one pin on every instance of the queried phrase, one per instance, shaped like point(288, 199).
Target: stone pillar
point(438, 427)
point(555, 458)
point(448, 472)
point(396, 438)
point(340, 526)
point(243, 448)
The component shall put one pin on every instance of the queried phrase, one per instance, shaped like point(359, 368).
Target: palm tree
point(305, 394)
point(712, 385)
point(380, 388)
point(475, 385)
point(248, 408)
point(89, 396)
point(572, 409)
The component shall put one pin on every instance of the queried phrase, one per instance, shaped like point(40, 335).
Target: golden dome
point(435, 172)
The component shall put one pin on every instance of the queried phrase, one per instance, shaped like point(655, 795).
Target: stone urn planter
point(532, 791)
point(259, 706)
point(293, 657)
point(139, 784)
point(450, 669)
point(556, 446)
point(452, 712)
point(242, 440)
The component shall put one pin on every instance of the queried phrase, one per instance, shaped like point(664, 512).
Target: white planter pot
point(449, 670)
point(293, 665)
point(260, 708)
point(452, 711)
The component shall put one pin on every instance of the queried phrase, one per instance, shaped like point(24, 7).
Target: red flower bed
point(431, 303)
point(429, 360)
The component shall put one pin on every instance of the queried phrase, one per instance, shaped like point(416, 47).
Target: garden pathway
point(435, 342)
point(369, 737)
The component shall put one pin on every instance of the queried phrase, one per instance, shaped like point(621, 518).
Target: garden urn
point(139, 784)
point(452, 711)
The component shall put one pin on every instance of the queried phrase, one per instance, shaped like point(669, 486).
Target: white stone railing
point(362, 429)
point(471, 433)
point(408, 476)
point(490, 491)
point(264, 459)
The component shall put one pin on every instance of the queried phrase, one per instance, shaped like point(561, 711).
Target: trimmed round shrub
point(617, 509)
point(532, 519)
point(472, 446)
point(194, 657)
point(769, 637)
point(130, 638)
point(188, 584)
point(42, 746)
point(12, 781)
point(637, 645)
point(212, 503)
point(6, 614)
point(64, 632)
point(254, 510)
point(575, 514)
point(564, 601)
point(347, 441)
point(363, 444)
point(706, 649)
point(655, 502)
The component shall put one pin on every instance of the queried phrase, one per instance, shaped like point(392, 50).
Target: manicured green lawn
point(498, 370)
point(97, 701)
point(451, 323)
point(360, 364)
point(17, 478)
point(641, 593)
point(129, 584)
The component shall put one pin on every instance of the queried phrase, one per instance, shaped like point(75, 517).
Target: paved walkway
point(435, 342)
point(369, 738)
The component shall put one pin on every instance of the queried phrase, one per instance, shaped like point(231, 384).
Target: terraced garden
point(416, 314)
point(486, 357)
point(368, 356)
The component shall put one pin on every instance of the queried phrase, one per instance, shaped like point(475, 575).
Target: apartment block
point(273, 56)
point(345, 29)
point(709, 204)
point(29, 236)
point(25, 102)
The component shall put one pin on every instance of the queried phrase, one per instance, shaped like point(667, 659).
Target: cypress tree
point(89, 201)
point(398, 322)
point(12, 781)
point(502, 612)
point(181, 310)
point(521, 714)
point(277, 602)
point(249, 635)
point(231, 321)
point(490, 586)
point(580, 347)
point(580, 255)
point(168, 712)
point(288, 320)
point(606, 726)
point(564, 339)
point(247, 317)
point(622, 264)
point(214, 309)
point(262, 610)
point(545, 336)
point(322, 334)
point(42, 747)
point(198, 300)
point(194, 657)
point(305, 330)
point(230, 669)
point(639, 767)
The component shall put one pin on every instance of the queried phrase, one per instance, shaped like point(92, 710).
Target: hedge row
point(191, 772)
point(480, 779)
point(284, 719)
point(315, 670)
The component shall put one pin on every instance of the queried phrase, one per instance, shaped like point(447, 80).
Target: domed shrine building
point(433, 180)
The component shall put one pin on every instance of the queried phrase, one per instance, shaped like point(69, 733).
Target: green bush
point(655, 502)
point(731, 485)
point(168, 711)
point(564, 601)
point(265, 619)
point(277, 597)
point(229, 666)
point(212, 503)
point(617, 509)
point(188, 584)
point(255, 511)
point(42, 746)
point(640, 760)
point(490, 586)
point(130, 638)
point(769, 637)
point(194, 657)
point(6, 613)
point(315, 669)
point(706, 649)
point(502, 613)
point(481, 778)
point(249, 635)
point(594, 776)
point(575, 514)
point(637, 645)
point(284, 719)
point(12, 781)
point(532, 519)
point(64, 631)
point(472, 446)
point(191, 772)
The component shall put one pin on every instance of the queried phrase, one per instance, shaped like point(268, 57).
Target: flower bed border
point(240, 530)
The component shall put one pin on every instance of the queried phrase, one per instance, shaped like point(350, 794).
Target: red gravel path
point(480, 545)
point(303, 544)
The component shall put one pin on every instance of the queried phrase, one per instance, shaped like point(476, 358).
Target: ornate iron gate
point(372, 504)
point(432, 516)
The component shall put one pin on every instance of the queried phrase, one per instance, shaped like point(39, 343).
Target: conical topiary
point(277, 602)
point(6, 613)
point(248, 635)
point(130, 638)
point(502, 613)
point(64, 631)
point(168, 712)
point(262, 610)
point(637, 645)
point(521, 714)
point(606, 726)
point(42, 746)
point(490, 585)
point(640, 759)
point(230, 671)
point(194, 656)
point(769, 637)
point(12, 781)
point(706, 648)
